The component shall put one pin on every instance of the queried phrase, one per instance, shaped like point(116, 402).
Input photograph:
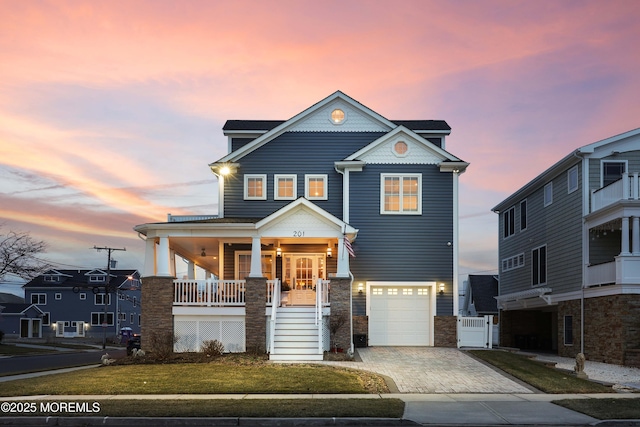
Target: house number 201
point(298, 234)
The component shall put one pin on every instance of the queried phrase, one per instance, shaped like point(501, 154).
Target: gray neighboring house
point(71, 304)
point(569, 252)
point(480, 295)
point(337, 225)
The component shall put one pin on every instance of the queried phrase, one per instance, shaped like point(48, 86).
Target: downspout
point(585, 239)
point(345, 219)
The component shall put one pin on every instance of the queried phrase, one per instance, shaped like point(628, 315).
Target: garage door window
point(407, 291)
point(376, 291)
point(392, 291)
point(422, 291)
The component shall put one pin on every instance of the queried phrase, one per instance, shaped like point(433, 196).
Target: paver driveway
point(433, 370)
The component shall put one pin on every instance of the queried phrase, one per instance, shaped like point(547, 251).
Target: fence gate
point(475, 331)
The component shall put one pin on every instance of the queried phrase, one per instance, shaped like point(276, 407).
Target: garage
point(400, 315)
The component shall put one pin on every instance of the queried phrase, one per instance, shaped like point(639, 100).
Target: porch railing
point(209, 293)
point(275, 302)
point(626, 188)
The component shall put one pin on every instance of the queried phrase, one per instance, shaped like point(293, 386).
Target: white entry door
point(399, 316)
point(302, 271)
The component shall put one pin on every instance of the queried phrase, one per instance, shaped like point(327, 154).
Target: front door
point(302, 271)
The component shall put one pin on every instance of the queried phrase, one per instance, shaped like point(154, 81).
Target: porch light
point(329, 252)
point(360, 288)
point(225, 170)
point(278, 252)
point(441, 288)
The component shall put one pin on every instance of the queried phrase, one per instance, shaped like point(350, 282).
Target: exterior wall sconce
point(441, 288)
point(360, 288)
point(329, 252)
point(278, 252)
point(203, 253)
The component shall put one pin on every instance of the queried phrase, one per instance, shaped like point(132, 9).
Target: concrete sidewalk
point(420, 409)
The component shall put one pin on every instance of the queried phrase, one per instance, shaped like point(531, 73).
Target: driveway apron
point(433, 370)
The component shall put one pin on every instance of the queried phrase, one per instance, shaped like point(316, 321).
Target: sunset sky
point(110, 111)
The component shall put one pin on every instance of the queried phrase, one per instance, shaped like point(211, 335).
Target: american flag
point(347, 245)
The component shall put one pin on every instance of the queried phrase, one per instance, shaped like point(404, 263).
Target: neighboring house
point(569, 251)
point(72, 304)
point(20, 320)
point(335, 222)
point(480, 293)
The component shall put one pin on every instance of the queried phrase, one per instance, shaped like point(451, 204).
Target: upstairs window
point(523, 215)
point(285, 187)
point(548, 194)
point(401, 194)
point(572, 179)
point(539, 263)
point(509, 222)
point(315, 187)
point(99, 299)
point(39, 299)
point(95, 279)
point(612, 171)
point(50, 278)
point(255, 187)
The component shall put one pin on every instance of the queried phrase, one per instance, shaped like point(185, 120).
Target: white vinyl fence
point(475, 331)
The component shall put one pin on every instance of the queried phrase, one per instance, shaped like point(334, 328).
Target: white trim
point(276, 188)
point(526, 214)
point(456, 240)
point(325, 179)
point(569, 172)
point(546, 265)
point(400, 210)
point(603, 161)
point(261, 177)
point(263, 254)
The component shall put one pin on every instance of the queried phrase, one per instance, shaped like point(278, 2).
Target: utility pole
point(107, 289)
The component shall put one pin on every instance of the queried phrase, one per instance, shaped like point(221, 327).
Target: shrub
point(212, 348)
point(161, 344)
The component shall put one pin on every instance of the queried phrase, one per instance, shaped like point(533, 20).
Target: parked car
point(134, 342)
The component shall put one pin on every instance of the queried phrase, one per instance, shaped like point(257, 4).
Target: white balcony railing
point(625, 270)
point(626, 188)
point(209, 293)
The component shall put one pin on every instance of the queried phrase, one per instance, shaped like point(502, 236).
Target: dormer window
point(50, 278)
point(94, 279)
point(337, 116)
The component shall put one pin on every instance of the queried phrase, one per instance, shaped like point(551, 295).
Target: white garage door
point(399, 316)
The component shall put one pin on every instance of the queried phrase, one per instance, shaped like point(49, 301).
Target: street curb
point(196, 422)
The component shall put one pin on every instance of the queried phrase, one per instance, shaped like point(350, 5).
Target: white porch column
point(256, 258)
point(625, 236)
point(191, 270)
point(343, 259)
point(149, 258)
point(162, 258)
point(635, 238)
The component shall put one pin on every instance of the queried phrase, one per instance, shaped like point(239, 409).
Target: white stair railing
point(318, 316)
point(275, 302)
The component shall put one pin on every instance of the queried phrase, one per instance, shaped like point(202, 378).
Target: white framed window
point(122, 317)
point(131, 318)
point(285, 187)
point(99, 299)
point(97, 318)
point(548, 194)
point(539, 265)
point(50, 278)
point(572, 179)
point(338, 116)
point(315, 187)
point(243, 265)
point(83, 296)
point(39, 299)
point(509, 222)
point(255, 187)
point(513, 262)
point(612, 171)
point(57, 296)
point(401, 194)
point(568, 330)
point(94, 279)
point(121, 296)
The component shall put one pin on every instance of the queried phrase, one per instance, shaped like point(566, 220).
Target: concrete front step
point(296, 357)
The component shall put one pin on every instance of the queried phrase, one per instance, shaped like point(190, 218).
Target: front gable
point(402, 146)
point(319, 118)
point(303, 219)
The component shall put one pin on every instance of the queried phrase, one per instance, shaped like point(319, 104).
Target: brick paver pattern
point(433, 370)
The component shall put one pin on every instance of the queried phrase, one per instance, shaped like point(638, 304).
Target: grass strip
point(536, 374)
point(200, 378)
point(14, 350)
point(268, 408)
point(604, 409)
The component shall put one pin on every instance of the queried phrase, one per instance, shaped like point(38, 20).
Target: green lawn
point(536, 374)
point(199, 378)
point(14, 350)
point(605, 409)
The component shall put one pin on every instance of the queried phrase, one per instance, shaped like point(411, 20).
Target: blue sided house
point(73, 304)
point(336, 228)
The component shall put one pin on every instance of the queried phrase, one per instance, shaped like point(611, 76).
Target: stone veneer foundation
point(445, 331)
point(255, 320)
point(157, 308)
